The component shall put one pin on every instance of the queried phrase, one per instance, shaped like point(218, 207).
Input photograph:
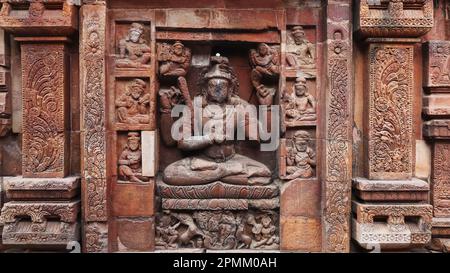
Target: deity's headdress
point(219, 68)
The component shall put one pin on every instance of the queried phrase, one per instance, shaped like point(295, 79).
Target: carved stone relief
point(299, 105)
point(134, 51)
point(437, 64)
point(130, 160)
point(174, 60)
point(44, 119)
point(300, 52)
point(441, 178)
point(390, 112)
point(133, 103)
point(217, 230)
point(300, 157)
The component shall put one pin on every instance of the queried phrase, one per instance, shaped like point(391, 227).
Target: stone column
point(436, 108)
point(337, 169)
point(43, 191)
point(390, 204)
point(93, 126)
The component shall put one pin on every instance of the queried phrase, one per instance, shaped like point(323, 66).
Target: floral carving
point(93, 113)
point(43, 110)
point(390, 112)
point(441, 178)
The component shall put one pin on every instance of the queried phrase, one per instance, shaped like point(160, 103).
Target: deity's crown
point(297, 29)
point(133, 136)
point(301, 135)
point(139, 82)
point(178, 43)
point(220, 68)
point(138, 27)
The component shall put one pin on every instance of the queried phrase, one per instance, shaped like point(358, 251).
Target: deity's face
point(217, 90)
point(135, 35)
point(133, 144)
point(301, 145)
point(300, 90)
point(178, 50)
point(266, 221)
point(136, 92)
point(263, 50)
point(299, 37)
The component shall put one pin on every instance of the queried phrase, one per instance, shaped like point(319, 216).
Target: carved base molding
point(41, 211)
point(390, 190)
point(391, 225)
point(218, 230)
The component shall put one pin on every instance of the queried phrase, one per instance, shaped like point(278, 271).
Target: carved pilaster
point(337, 168)
point(93, 136)
point(45, 107)
point(390, 116)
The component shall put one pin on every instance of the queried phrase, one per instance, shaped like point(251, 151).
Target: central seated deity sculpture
point(216, 159)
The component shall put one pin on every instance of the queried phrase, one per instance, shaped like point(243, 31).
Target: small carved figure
point(175, 59)
point(133, 49)
point(300, 52)
point(166, 233)
point(130, 160)
point(301, 105)
point(187, 237)
point(264, 62)
point(301, 158)
point(133, 104)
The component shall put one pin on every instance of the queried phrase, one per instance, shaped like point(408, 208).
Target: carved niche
point(437, 64)
point(300, 52)
point(395, 18)
point(133, 102)
point(300, 156)
point(265, 63)
point(134, 49)
point(45, 100)
point(130, 160)
point(390, 112)
point(299, 105)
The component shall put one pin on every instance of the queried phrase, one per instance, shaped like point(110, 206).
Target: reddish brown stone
point(300, 198)
point(300, 234)
point(133, 199)
point(135, 234)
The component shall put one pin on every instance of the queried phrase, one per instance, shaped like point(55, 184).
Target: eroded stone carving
point(300, 53)
point(396, 18)
point(441, 178)
point(437, 64)
point(130, 160)
point(133, 104)
point(301, 159)
point(133, 49)
point(44, 120)
point(174, 59)
point(92, 82)
point(300, 105)
point(265, 62)
point(390, 112)
point(218, 230)
point(218, 160)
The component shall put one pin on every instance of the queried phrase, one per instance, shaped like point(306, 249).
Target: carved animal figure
point(192, 230)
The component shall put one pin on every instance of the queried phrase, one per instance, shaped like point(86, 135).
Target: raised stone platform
point(217, 190)
point(391, 190)
point(20, 188)
point(391, 226)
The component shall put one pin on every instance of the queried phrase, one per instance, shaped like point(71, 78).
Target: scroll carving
point(92, 80)
point(44, 119)
point(390, 112)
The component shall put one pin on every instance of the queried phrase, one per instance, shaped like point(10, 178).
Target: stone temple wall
point(357, 94)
